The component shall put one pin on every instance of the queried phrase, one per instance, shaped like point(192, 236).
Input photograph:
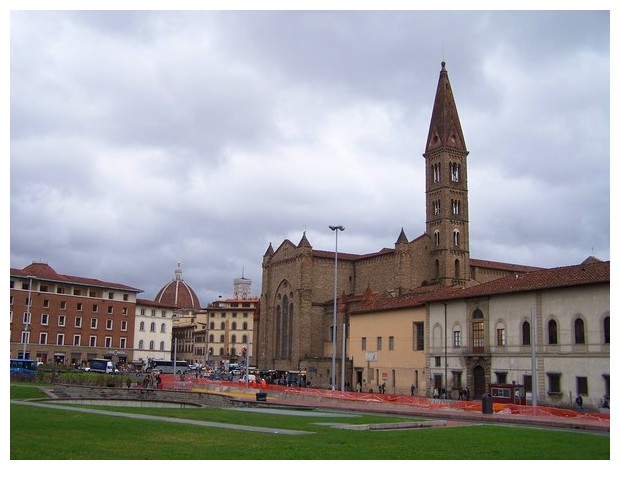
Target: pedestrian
point(579, 402)
point(358, 387)
point(436, 393)
point(413, 390)
point(383, 388)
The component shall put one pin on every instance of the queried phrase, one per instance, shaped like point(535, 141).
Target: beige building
point(386, 343)
point(152, 332)
point(231, 325)
point(556, 320)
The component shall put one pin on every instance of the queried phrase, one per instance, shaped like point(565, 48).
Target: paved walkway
point(229, 426)
point(580, 422)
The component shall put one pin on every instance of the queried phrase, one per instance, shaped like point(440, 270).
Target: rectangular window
point(110, 309)
point(457, 380)
point(60, 339)
point(124, 325)
point(501, 337)
point(110, 295)
point(457, 338)
point(527, 382)
point(78, 322)
point(478, 337)
point(438, 361)
point(391, 343)
point(379, 343)
point(93, 323)
point(61, 320)
point(143, 312)
point(582, 385)
point(63, 305)
point(363, 344)
point(125, 297)
point(92, 341)
point(77, 339)
point(79, 307)
point(43, 288)
point(418, 336)
point(60, 290)
point(163, 313)
point(123, 342)
point(25, 337)
point(92, 293)
point(108, 342)
point(42, 338)
point(77, 292)
point(45, 318)
point(95, 308)
point(501, 377)
point(125, 311)
point(109, 324)
point(554, 382)
point(26, 318)
point(46, 303)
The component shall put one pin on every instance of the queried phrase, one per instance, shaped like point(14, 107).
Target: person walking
point(413, 390)
point(579, 402)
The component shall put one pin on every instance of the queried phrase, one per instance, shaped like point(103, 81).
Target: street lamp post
point(335, 228)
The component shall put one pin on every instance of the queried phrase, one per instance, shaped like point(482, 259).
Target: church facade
point(297, 296)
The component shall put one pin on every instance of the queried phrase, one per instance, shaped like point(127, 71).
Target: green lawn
point(78, 435)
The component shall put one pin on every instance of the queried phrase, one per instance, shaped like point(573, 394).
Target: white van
point(251, 378)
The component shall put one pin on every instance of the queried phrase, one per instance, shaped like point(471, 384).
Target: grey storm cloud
point(140, 139)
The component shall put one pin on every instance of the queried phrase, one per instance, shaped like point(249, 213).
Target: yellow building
point(387, 341)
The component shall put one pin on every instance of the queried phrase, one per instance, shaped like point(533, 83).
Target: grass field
point(86, 436)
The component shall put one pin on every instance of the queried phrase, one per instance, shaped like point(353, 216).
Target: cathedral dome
point(178, 293)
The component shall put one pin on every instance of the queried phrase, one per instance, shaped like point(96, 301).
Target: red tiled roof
point(559, 277)
point(44, 272)
point(587, 273)
point(513, 267)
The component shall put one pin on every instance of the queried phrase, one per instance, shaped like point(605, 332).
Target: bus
point(167, 366)
point(24, 367)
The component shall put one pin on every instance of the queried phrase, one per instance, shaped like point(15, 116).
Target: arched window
point(525, 334)
point(233, 339)
point(221, 338)
point(142, 326)
point(580, 332)
point(436, 238)
point(152, 326)
point(552, 328)
point(477, 314)
point(457, 269)
point(152, 345)
point(163, 328)
point(141, 345)
point(161, 346)
point(223, 326)
point(212, 326)
point(234, 326)
point(233, 351)
point(221, 351)
point(245, 339)
point(456, 237)
point(245, 325)
point(211, 338)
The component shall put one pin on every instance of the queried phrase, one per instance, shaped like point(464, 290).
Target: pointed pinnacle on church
point(445, 127)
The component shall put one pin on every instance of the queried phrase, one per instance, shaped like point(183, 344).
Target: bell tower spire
point(447, 207)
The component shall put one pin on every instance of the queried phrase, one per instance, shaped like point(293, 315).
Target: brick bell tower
point(447, 206)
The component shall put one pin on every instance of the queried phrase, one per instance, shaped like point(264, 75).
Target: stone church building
point(296, 317)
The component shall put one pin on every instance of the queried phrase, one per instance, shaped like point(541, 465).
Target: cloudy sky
point(139, 139)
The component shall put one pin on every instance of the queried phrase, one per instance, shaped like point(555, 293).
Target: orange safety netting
point(414, 401)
